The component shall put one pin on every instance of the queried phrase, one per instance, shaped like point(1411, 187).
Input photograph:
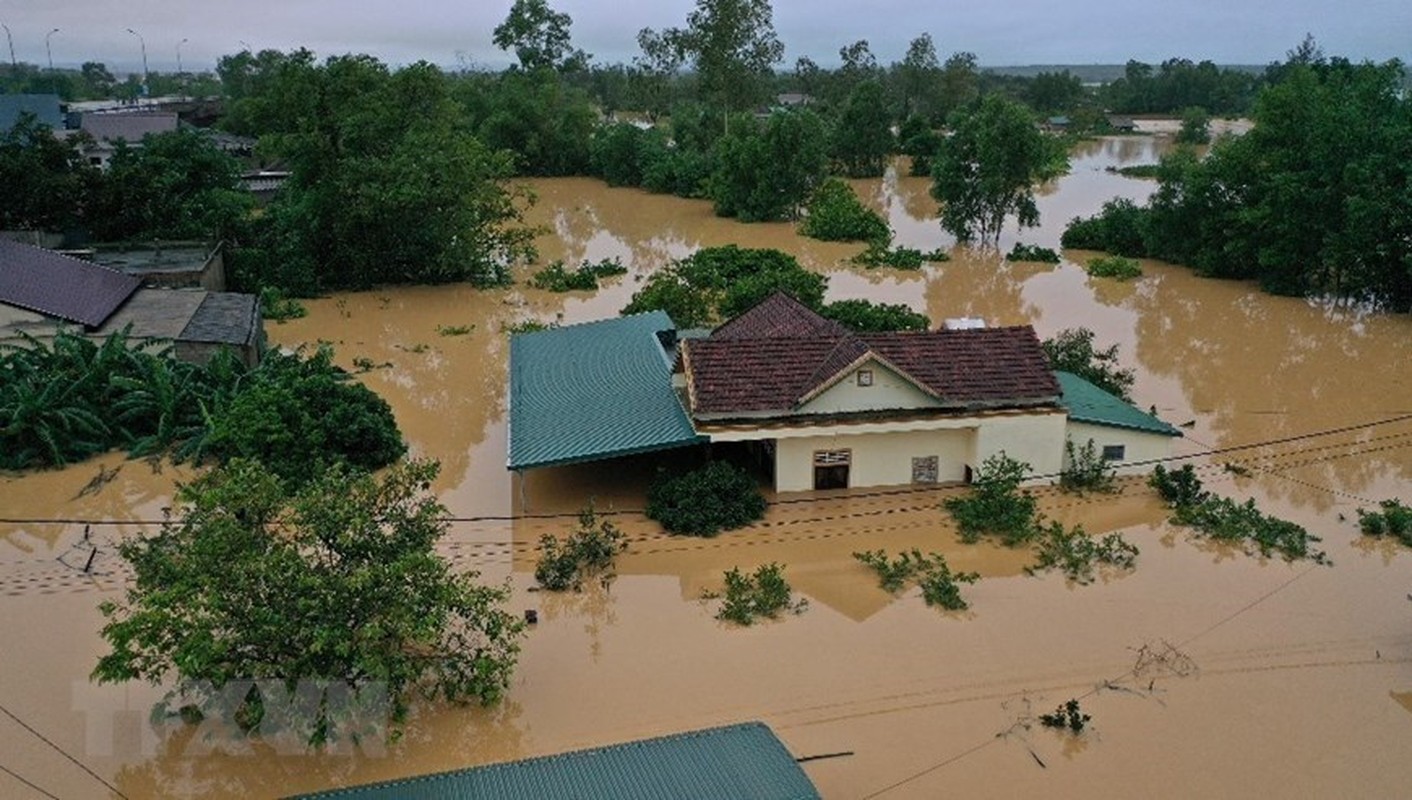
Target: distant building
point(108, 129)
point(1121, 124)
point(45, 108)
point(1057, 123)
point(43, 292)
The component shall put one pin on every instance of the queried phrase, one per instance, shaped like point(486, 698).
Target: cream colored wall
point(889, 391)
point(878, 459)
point(1141, 446)
point(1035, 439)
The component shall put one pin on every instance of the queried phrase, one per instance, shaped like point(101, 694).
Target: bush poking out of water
point(1070, 716)
point(528, 326)
point(904, 258)
point(1072, 350)
point(717, 497)
point(557, 278)
point(1116, 267)
point(1032, 252)
point(1086, 470)
point(1077, 554)
point(996, 507)
point(763, 595)
point(865, 315)
point(274, 305)
point(1139, 171)
point(1394, 520)
point(835, 214)
point(454, 330)
point(940, 586)
point(566, 563)
point(1224, 520)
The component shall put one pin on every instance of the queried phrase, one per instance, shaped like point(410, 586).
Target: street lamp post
point(181, 74)
point(49, 53)
point(11, 39)
point(142, 42)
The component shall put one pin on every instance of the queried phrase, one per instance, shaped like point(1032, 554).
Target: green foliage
point(1069, 715)
point(765, 594)
point(1121, 227)
point(1139, 171)
point(917, 139)
point(274, 305)
point(1196, 126)
point(1071, 350)
point(177, 185)
point(1179, 83)
point(539, 36)
point(714, 498)
point(556, 278)
point(835, 214)
point(986, 169)
point(294, 414)
point(1395, 519)
point(528, 326)
point(867, 316)
point(767, 172)
point(732, 45)
point(47, 180)
point(1076, 554)
point(338, 582)
point(939, 585)
point(717, 283)
point(616, 154)
point(862, 134)
point(1224, 520)
point(996, 507)
point(1178, 488)
point(905, 258)
point(1118, 267)
point(454, 330)
point(588, 551)
point(1085, 470)
point(1032, 252)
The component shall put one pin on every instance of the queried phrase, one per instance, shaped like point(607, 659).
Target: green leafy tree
point(835, 214)
point(339, 582)
point(767, 172)
point(177, 185)
point(867, 316)
point(47, 182)
point(1196, 126)
point(960, 82)
point(917, 140)
point(732, 45)
point(1071, 350)
point(918, 78)
point(655, 71)
point(987, 169)
point(996, 506)
point(539, 36)
point(862, 135)
point(717, 497)
point(545, 121)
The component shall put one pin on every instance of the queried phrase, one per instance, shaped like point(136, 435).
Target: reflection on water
point(900, 684)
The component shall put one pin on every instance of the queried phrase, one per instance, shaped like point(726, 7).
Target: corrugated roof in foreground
point(59, 286)
point(1088, 403)
point(593, 391)
point(741, 762)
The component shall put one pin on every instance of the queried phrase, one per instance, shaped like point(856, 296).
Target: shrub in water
point(1395, 519)
point(1118, 267)
point(1087, 471)
point(930, 572)
point(835, 214)
point(750, 597)
point(1076, 554)
point(1031, 252)
point(717, 497)
point(590, 550)
point(996, 506)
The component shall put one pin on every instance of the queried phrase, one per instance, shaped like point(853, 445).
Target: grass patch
point(1032, 252)
point(1116, 267)
point(454, 330)
point(904, 258)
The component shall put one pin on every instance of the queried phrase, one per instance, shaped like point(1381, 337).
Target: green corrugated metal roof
point(1088, 403)
point(742, 762)
point(593, 391)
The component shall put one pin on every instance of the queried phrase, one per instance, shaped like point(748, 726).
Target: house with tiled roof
point(821, 406)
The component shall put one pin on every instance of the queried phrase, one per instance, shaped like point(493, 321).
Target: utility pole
point(142, 42)
point(181, 74)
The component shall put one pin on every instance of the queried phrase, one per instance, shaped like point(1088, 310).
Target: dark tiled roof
point(45, 107)
point(59, 286)
point(129, 126)
point(775, 356)
point(222, 318)
point(778, 316)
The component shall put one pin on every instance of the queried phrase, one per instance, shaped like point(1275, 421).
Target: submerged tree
point(337, 583)
point(986, 170)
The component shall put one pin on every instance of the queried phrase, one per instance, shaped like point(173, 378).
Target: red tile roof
point(770, 372)
point(59, 286)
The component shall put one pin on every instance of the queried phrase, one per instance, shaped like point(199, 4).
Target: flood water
point(1207, 672)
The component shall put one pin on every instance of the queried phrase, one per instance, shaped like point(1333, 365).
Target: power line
point(7, 712)
point(30, 784)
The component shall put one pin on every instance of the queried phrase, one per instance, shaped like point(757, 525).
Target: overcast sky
point(449, 32)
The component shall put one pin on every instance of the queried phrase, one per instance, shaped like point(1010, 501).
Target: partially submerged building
point(43, 292)
point(820, 406)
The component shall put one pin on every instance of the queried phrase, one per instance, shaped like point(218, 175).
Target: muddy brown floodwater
point(1283, 679)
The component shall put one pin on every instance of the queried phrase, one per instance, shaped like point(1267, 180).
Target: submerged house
point(43, 292)
point(820, 406)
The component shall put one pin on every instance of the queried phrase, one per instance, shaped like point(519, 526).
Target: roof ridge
point(816, 380)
